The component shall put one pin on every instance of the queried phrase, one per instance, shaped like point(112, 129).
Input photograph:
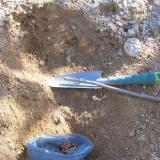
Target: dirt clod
point(65, 148)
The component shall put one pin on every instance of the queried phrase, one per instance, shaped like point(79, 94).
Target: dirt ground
point(50, 40)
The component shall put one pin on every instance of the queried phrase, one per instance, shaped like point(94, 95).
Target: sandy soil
point(49, 40)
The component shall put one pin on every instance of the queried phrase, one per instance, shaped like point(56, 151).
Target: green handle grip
point(157, 74)
point(144, 78)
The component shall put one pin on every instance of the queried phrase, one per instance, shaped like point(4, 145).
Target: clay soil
point(50, 40)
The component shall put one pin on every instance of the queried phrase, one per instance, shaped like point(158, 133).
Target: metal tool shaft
point(119, 90)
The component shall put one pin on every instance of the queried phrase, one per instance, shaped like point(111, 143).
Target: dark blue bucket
point(46, 147)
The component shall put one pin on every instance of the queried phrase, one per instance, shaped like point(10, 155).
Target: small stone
point(144, 87)
point(56, 119)
point(113, 27)
point(120, 24)
point(119, 52)
point(83, 43)
point(149, 42)
point(49, 27)
point(142, 126)
point(158, 39)
point(142, 138)
point(132, 133)
point(74, 27)
point(133, 30)
point(121, 31)
point(133, 47)
point(69, 53)
point(68, 59)
point(109, 63)
point(95, 98)
point(155, 155)
point(118, 18)
point(121, 13)
point(144, 28)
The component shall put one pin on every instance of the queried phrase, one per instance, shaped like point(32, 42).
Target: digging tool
point(94, 80)
point(96, 76)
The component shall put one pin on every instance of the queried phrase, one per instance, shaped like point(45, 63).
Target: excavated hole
point(61, 37)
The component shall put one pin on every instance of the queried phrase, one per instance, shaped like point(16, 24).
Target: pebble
point(133, 30)
point(158, 39)
point(133, 47)
point(56, 118)
point(132, 133)
point(113, 27)
point(141, 138)
point(155, 155)
point(69, 54)
point(121, 31)
point(149, 42)
point(95, 98)
point(120, 24)
point(119, 52)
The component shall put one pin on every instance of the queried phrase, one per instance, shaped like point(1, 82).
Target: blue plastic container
point(46, 147)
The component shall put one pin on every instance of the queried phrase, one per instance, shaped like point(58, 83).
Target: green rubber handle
point(157, 74)
point(144, 78)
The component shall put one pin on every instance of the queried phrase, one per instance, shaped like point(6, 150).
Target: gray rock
point(120, 52)
point(133, 30)
point(143, 29)
point(132, 133)
point(120, 24)
point(141, 138)
point(158, 39)
point(56, 118)
point(121, 31)
point(133, 47)
point(112, 27)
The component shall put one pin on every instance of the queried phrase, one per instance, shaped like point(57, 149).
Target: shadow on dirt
point(4, 81)
point(32, 97)
point(23, 155)
point(8, 51)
